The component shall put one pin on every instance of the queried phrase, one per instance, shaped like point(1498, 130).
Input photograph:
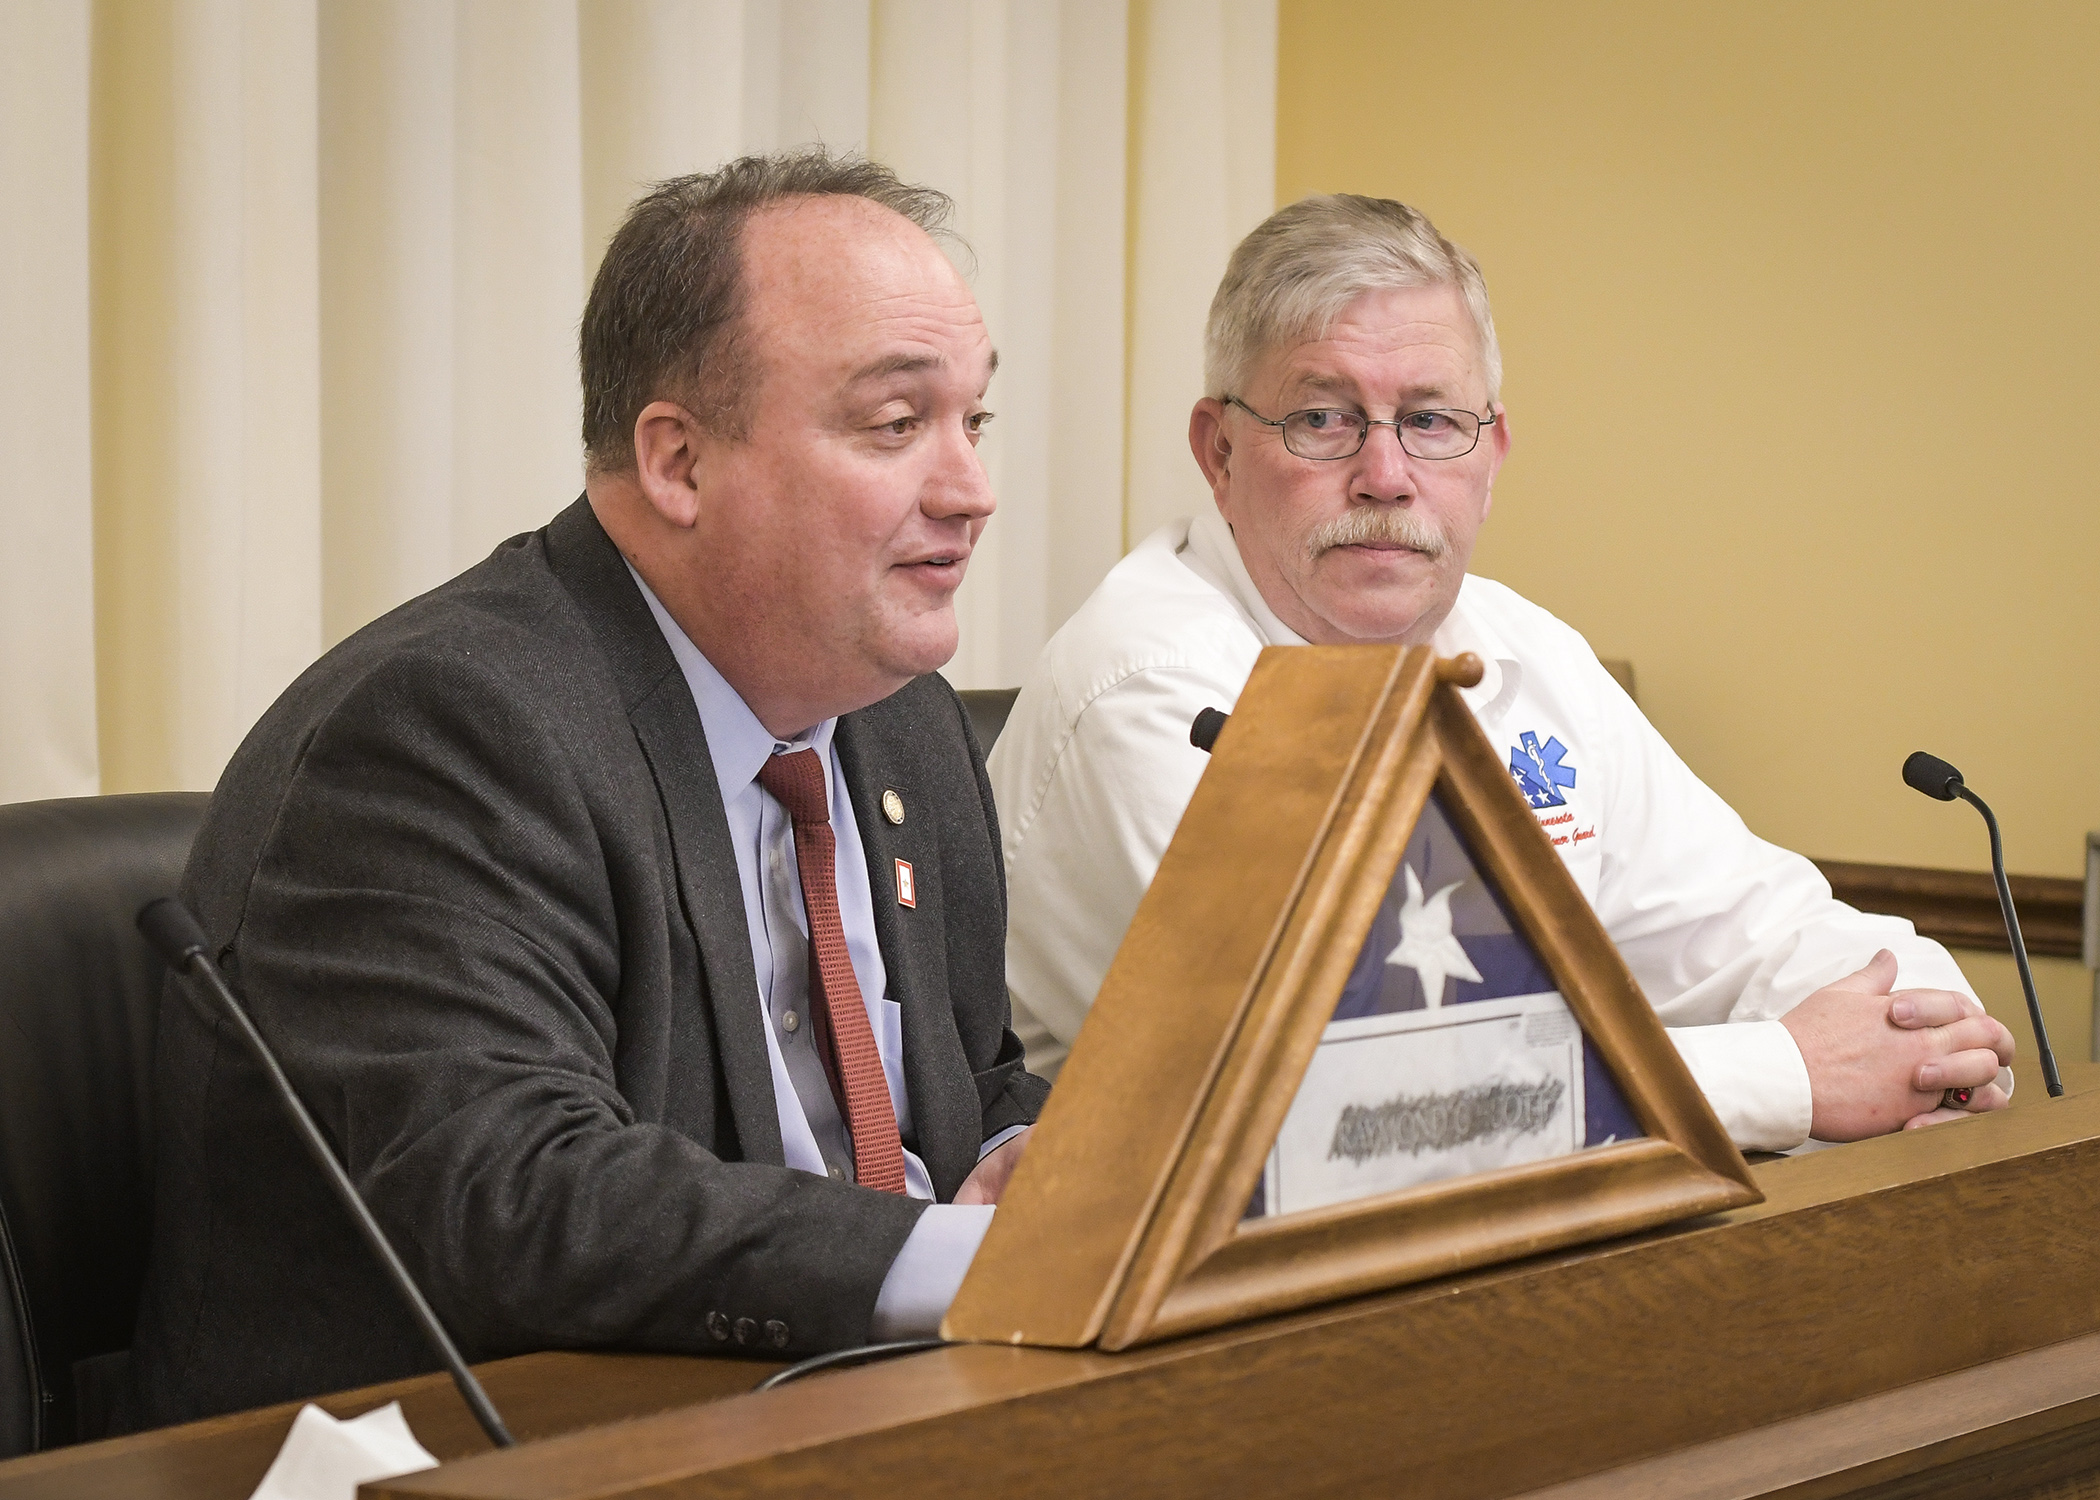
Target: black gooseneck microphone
point(177, 937)
point(1935, 778)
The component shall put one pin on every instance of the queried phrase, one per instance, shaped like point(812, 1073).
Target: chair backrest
point(79, 1006)
point(988, 708)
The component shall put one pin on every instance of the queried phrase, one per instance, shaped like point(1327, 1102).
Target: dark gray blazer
point(474, 880)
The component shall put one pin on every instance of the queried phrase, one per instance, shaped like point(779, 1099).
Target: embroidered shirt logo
point(1539, 771)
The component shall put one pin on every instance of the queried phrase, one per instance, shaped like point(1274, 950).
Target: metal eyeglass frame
point(1370, 422)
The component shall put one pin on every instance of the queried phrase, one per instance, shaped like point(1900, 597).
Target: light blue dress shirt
point(928, 1270)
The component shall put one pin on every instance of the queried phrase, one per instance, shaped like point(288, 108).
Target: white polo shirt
point(1724, 932)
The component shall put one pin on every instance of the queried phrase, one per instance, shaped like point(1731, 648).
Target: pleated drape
point(289, 293)
point(47, 519)
point(207, 377)
point(1203, 149)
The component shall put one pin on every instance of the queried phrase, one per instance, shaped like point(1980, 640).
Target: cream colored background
point(289, 293)
point(1799, 310)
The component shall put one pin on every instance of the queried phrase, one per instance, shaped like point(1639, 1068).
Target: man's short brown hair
point(664, 318)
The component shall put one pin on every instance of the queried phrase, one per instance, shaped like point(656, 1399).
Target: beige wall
point(1799, 310)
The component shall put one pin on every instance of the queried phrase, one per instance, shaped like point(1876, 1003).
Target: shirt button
point(745, 1328)
point(838, 1174)
point(776, 1333)
point(790, 1023)
point(718, 1327)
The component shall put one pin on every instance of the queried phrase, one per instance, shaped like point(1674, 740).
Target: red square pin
point(907, 895)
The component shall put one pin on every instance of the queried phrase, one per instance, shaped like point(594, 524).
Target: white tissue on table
point(323, 1459)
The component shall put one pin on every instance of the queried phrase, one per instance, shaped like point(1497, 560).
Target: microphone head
point(1932, 776)
point(173, 932)
point(1203, 732)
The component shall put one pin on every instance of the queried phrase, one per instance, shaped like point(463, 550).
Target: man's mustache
point(1392, 524)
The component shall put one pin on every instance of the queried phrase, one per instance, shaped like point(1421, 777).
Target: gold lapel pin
point(893, 806)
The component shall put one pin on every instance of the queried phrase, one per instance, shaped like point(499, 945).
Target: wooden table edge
point(1886, 1436)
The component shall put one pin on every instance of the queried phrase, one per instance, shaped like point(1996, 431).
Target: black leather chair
point(79, 1006)
point(988, 708)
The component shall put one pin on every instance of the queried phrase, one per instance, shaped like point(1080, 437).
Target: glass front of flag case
point(1450, 1052)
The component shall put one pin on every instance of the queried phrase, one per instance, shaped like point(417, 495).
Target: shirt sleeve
point(994, 1142)
point(1753, 1076)
point(1726, 932)
point(1088, 839)
point(929, 1271)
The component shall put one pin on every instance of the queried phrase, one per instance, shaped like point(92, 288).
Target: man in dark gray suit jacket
point(478, 872)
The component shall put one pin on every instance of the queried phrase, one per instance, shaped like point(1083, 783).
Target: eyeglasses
point(1327, 432)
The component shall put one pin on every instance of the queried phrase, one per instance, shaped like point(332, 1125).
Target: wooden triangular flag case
point(1364, 1030)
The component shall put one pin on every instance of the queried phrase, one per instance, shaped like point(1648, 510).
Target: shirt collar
point(1213, 554)
point(1502, 674)
point(1215, 558)
point(738, 744)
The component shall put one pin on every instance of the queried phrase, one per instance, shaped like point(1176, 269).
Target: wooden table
point(1914, 1316)
point(223, 1458)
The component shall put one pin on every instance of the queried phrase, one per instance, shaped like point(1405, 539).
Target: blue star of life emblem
point(1538, 769)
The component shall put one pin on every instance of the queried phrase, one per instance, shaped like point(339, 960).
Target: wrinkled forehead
point(1417, 341)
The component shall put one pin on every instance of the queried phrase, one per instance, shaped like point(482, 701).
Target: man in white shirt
point(1351, 435)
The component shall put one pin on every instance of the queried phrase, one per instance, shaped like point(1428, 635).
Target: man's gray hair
point(665, 316)
point(1294, 273)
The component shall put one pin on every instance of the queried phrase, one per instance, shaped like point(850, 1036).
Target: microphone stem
point(2019, 944)
point(200, 965)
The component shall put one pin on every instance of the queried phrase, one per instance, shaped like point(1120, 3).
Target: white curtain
point(1203, 140)
point(47, 530)
point(289, 293)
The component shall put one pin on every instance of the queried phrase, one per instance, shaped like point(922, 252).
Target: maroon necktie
point(796, 781)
